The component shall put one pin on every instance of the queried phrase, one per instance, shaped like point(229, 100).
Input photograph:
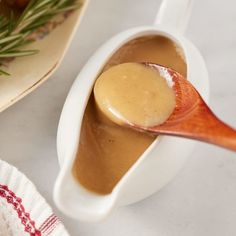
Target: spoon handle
point(201, 124)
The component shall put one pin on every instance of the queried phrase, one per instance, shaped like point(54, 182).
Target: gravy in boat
point(106, 150)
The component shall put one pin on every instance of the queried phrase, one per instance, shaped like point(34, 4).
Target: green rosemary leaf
point(2, 72)
point(3, 34)
point(25, 12)
point(11, 23)
point(37, 24)
point(42, 4)
point(10, 45)
point(10, 38)
point(14, 31)
point(19, 53)
point(15, 44)
point(66, 9)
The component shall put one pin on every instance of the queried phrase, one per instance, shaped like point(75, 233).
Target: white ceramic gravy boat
point(161, 161)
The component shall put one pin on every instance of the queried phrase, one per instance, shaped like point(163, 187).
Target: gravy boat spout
point(164, 157)
point(77, 202)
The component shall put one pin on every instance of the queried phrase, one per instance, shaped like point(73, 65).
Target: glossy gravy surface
point(106, 150)
point(135, 94)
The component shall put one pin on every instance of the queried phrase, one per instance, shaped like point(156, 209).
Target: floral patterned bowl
point(27, 73)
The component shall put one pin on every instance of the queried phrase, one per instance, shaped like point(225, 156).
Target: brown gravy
point(135, 94)
point(106, 151)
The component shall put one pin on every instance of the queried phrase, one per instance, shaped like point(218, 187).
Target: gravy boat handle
point(174, 14)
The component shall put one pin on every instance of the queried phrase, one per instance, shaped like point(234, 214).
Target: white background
point(201, 200)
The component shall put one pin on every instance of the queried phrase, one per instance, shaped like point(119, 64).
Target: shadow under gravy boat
point(164, 157)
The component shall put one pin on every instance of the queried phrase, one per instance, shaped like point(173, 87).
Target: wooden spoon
point(191, 118)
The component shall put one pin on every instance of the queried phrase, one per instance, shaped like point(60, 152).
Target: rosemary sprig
point(15, 32)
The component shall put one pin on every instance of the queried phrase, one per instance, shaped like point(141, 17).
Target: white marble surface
point(201, 200)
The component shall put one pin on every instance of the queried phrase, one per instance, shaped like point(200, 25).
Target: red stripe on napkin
point(16, 202)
